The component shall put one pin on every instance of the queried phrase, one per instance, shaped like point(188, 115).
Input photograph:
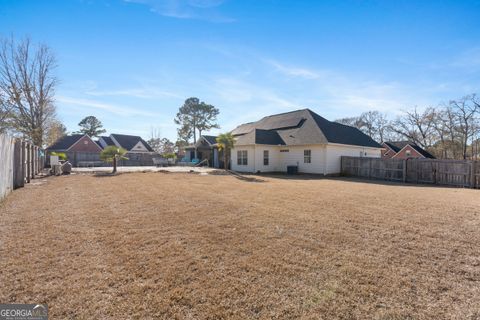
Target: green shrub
point(169, 155)
point(60, 155)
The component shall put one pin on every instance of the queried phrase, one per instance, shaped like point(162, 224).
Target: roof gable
point(343, 134)
point(210, 139)
point(397, 146)
point(65, 142)
point(129, 142)
point(306, 127)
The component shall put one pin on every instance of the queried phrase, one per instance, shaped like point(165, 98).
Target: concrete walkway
point(205, 170)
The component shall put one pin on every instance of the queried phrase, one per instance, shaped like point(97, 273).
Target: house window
point(408, 153)
point(307, 156)
point(242, 157)
point(265, 157)
point(284, 150)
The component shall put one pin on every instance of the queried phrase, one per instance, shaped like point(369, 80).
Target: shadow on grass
point(354, 180)
point(104, 174)
point(245, 177)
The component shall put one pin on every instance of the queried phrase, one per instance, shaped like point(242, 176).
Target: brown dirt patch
point(182, 246)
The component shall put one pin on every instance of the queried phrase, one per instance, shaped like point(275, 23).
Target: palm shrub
point(60, 155)
point(225, 142)
point(113, 154)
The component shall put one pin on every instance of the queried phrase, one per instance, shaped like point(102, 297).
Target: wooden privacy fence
point(20, 161)
point(459, 173)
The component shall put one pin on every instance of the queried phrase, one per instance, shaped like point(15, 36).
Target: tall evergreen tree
point(92, 126)
point(194, 116)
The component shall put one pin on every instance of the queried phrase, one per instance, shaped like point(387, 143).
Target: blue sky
point(133, 63)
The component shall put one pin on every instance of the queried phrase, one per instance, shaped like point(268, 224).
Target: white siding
point(334, 153)
point(139, 147)
point(278, 161)
point(250, 167)
point(294, 157)
point(273, 159)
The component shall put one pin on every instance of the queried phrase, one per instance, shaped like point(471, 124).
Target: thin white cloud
point(187, 9)
point(143, 93)
point(115, 109)
point(340, 94)
point(294, 71)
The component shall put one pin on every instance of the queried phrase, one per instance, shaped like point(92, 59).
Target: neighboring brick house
point(75, 143)
point(80, 149)
point(404, 150)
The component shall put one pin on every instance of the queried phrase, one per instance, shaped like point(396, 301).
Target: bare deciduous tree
point(465, 111)
point(373, 123)
point(5, 113)
point(416, 126)
point(27, 81)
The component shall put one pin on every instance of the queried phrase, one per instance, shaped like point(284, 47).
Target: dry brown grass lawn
point(184, 246)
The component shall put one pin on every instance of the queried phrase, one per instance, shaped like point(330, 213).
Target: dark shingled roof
point(65, 142)
point(258, 136)
point(399, 145)
point(128, 142)
point(423, 152)
point(210, 139)
point(303, 127)
point(108, 141)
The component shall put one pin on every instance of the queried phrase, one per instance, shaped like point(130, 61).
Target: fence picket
point(19, 163)
point(461, 173)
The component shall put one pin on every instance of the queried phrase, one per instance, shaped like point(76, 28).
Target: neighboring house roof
point(65, 142)
point(396, 145)
point(210, 139)
point(108, 140)
point(128, 142)
point(399, 145)
point(422, 151)
point(302, 127)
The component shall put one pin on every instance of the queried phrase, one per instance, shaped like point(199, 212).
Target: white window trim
point(309, 156)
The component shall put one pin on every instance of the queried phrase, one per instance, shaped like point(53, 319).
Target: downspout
point(254, 158)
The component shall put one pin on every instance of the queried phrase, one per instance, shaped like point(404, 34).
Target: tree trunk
point(114, 165)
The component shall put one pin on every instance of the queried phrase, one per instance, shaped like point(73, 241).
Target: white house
point(299, 138)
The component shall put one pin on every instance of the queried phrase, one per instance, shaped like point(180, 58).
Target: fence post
point(35, 158)
point(23, 156)
point(32, 161)
point(28, 166)
point(404, 170)
point(472, 174)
